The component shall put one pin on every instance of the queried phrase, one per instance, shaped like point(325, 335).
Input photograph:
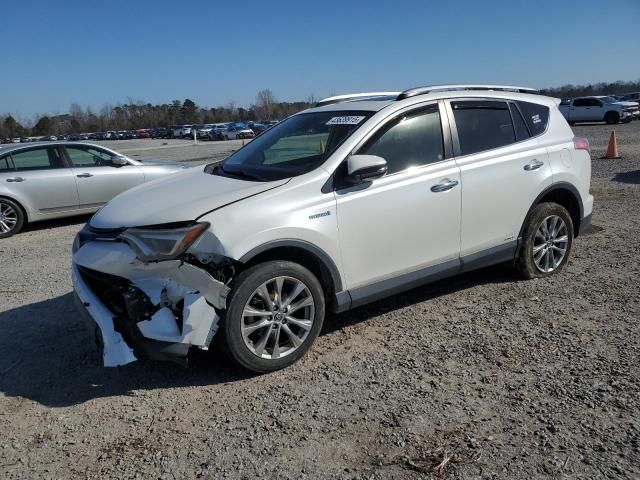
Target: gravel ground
point(481, 376)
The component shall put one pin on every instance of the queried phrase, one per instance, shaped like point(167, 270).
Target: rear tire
point(11, 218)
point(274, 314)
point(611, 118)
point(547, 241)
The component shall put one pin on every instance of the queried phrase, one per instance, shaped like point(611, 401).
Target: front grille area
point(128, 304)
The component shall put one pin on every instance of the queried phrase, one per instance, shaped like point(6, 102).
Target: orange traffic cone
point(612, 149)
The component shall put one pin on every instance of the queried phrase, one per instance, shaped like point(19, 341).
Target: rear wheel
point(275, 313)
point(11, 218)
point(547, 241)
point(611, 118)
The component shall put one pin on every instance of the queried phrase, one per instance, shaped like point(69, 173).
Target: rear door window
point(536, 116)
point(37, 159)
point(482, 125)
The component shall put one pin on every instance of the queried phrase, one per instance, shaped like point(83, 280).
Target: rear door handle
point(444, 186)
point(533, 165)
point(15, 179)
point(84, 175)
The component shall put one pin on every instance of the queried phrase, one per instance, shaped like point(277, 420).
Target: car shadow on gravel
point(495, 274)
point(628, 177)
point(47, 354)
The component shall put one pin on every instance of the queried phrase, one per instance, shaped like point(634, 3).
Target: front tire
point(547, 241)
point(274, 314)
point(11, 218)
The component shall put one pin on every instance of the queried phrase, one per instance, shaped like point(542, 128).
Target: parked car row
point(220, 131)
point(208, 131)
point(610, 109)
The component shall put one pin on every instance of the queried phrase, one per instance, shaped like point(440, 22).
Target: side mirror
point(119, 161)
point(361, 168)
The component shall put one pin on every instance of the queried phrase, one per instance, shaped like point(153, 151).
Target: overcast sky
point(59, 52)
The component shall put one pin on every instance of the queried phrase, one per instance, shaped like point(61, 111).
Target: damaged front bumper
point(154, 310)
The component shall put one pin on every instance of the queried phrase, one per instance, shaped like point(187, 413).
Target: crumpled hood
point(180, 197)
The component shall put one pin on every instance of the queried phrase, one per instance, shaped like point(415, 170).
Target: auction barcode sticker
point(345, 121)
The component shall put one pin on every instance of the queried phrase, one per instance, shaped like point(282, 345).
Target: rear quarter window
point(536, 117)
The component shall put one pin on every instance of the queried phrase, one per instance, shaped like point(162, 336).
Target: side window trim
point(9, 162)
point(457, 151)
point(62, 151)
point(514, 105)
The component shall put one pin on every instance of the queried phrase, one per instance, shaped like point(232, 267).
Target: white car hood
point(180, 197)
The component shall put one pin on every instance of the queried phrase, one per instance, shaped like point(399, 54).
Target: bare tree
point(265, 101)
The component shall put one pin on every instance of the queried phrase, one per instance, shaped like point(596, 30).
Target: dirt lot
point(481, 376)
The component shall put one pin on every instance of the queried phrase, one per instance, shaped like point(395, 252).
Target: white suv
point(356, 199)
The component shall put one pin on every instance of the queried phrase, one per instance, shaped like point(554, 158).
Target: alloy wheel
point(550, 243)
point(8, 218)
point(278, 317)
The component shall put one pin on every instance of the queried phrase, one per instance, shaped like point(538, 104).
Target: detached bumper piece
point(156, 310)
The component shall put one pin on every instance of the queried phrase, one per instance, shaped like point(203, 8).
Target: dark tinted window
point(412, 140)
point(482, 125)
point(4, 165)
point(518, 123)
point(536, 116)
point(38, 159)
point(581, 102)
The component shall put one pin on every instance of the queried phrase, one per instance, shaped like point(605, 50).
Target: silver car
point(41, 181)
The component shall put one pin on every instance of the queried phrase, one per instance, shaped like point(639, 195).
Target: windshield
point(293, 147)
point(608, 99)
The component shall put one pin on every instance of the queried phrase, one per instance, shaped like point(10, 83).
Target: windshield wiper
point(241, 174)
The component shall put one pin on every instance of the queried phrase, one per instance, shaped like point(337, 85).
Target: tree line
point(133, 115)
point(602, 88)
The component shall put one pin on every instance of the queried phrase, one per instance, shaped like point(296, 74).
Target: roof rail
point(354, 96)
point(412, 92)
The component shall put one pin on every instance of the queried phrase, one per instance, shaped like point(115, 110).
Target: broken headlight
point(155, 244)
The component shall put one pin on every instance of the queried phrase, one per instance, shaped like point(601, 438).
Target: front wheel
point(275, 312)
point(547, 241)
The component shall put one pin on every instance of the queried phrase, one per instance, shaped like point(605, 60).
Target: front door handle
point(444, 186)
point(15, 179)
point(533, 165)
point(84, 175)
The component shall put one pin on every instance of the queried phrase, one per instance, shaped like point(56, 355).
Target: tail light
point(581, 144)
